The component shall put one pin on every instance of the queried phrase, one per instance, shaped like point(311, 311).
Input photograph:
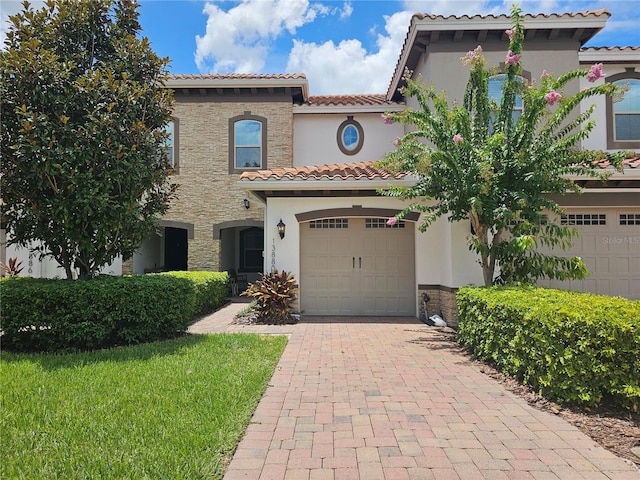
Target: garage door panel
point(602, 265)
point(366, 271)
point(610, 248)
point(623, 265)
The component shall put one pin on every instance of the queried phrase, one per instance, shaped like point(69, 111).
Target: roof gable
point(425, 30)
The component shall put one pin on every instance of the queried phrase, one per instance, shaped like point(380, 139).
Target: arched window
point(247, 143)
point(623, 116)
point(170, 143)
point(495, 93)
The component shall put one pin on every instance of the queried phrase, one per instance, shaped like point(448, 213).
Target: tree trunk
point(488, 267)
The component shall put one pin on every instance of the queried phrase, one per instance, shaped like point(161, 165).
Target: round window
point(350, 136)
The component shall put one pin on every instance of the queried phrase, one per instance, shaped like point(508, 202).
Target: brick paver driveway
point(395, 399)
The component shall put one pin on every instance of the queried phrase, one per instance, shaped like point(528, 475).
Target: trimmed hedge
point(53, 315)
point(573, 348)
point(210, 288)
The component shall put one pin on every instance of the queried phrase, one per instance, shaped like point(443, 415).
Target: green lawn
point(167, 410)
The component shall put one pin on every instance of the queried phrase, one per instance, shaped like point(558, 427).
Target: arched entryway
point(166, 250)
point(241, 248)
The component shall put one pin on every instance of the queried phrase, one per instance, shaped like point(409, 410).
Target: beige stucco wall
point(441, 257)
point(315, 140)
point(208, 194)
point(33, 266)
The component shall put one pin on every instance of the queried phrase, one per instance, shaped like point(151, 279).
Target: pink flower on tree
point(397, 142)
point(392, 221)
point(545, 74)
point(457, 138)
point(552, 97)
point(595, 73)
point(387, 119)
point(509, 33)
point(472, 55)
point(512, 58)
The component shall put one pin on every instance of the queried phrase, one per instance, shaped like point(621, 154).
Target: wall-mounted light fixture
point(281, 227)
point(246, 203)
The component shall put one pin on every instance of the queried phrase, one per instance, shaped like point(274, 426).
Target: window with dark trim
point(350, 136)
point(382, 223)
point(247, 143)
point(630, 219)
point(329, 223)
point(496, 83)
point(584, 219)
point(251, 245)
point(623, 115)
point(170, 146)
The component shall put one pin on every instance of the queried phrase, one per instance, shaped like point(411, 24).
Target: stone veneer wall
point(442, 300)
point(207, 192)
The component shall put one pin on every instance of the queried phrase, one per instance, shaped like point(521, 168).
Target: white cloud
point(347, 10)
point(447, 7)
point(9, 8)
point(347, 67)
point(239, 39)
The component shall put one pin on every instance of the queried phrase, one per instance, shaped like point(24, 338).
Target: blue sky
point(342, 46)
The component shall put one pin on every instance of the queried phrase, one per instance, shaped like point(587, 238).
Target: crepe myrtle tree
point(479, 163)
point(82, 140)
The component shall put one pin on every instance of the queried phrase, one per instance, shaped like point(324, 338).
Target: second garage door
point(609, 244)
point(357, 266)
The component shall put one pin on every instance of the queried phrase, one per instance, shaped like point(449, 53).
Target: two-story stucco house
point(273, 177)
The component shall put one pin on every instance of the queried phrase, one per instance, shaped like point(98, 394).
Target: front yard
point(167, 410)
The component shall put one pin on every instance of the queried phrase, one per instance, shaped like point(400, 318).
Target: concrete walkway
point(389, 398)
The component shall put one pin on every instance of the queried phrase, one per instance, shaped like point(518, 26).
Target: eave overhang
point(609, 55)
point(425, 30)
point(295, 85)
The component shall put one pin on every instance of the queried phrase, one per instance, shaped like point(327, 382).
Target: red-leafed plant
point(14, 267)
point(273, 294)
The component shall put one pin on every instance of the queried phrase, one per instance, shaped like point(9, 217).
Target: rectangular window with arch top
point(627, 112)
point(247, 143)
point(623, 113)
point(170, 145)
point(496, 84)
point(248, 137)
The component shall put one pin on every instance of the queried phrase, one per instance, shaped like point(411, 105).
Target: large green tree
point(478, 162)
point(83, 115)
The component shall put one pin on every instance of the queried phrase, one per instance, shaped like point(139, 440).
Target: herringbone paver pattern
point(394, 399)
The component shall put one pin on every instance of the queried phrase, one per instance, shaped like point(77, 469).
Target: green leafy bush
point(274, 294)
point(574, 348)
point(53, 315)
point(210, 288)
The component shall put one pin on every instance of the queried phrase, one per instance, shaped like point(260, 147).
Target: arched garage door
point(357, 266)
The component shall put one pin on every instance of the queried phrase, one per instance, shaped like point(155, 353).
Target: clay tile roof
point(361, 171)
point(630, 162)
point(347, 100)
point(237, 76)
point(338, 171)
point(611, 49)
point(587, 13)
